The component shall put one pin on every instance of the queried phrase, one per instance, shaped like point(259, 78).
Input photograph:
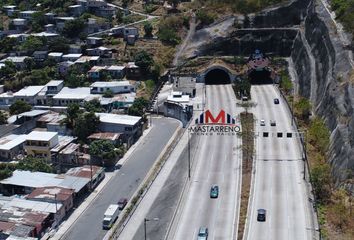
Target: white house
point(116, 71)
point(18, 61)
point(115, 86)
point(27, 14)
point(71, 95)
point(29, 94)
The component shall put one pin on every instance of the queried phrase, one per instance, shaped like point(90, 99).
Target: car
point(244, 98)
point(276, 101)
point(273, 123)
point(262, 122)
point(261, 215)
point(121, 203)
point(214, 191)
point(203, 233)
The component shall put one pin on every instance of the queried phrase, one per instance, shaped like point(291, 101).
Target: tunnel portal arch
point(217, 75)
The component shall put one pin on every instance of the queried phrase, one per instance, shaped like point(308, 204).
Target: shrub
point(319, 135)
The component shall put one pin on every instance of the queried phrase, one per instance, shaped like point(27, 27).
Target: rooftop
point(15, 59)
point(73, 93)
point(11, 141)
point(84, 59)
point(73, 55)
point(105, 136)
point(55, 54)
point(58, 193)
point(36, 206)
point(41, 136)
point(62, 142)
point(70, 149)
point(45, 34)
point(97, 68)
point(116, 68)
point(118, 119)
point(84, 171)
point(54, 83)
point(40, 179)
point(29, 91)
point(33, 113)
point(110, 84)
point(52, 117)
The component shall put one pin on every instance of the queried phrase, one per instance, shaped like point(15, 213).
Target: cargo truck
point(110, 216)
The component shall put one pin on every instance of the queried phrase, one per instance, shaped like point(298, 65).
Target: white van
point(110, 216)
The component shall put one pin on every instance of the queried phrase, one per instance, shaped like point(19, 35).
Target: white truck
point(110, 216)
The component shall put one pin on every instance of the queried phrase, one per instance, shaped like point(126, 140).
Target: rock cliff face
point(305, 31)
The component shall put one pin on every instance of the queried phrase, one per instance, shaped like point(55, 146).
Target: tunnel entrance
point(217, 76)
point(260, 77)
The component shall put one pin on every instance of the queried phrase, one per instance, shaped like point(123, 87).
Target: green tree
point(73, 28)
point(148, 29)
point(3, 118)
point(103, 150)
point(321, 182)
point(205, 17)
point(137, 109)
point(319, 135)
point(38, 21)
point(144, 60)
point(35, 165)
point(33, 43)
point(108, 94)
point(303, 108)
point(93, 106)
point(7, 44)
point(8, 70)
point(85, 125)
point(19, 107)
point(168, 35)
point(60, 44)
point(72, 113)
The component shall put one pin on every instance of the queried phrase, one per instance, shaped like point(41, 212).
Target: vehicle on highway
point(214, 191)
point(276, 101)
point(273, 123)
point(110, 216)
point(203, 233)
point(122, 202)
point(244, 98)
point(261, 215)
point(262, 122)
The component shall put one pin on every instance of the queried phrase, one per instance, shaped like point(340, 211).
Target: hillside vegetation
point(345, 13)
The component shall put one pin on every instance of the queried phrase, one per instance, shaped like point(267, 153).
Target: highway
point(125, 182)
point(216, 162)
point(278, 185)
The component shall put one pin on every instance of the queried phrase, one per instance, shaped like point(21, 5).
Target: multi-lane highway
point(216, 162)
point(279, 187)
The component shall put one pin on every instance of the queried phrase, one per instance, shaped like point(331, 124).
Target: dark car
point(203, 233)
point(261, 215)
point(121, 203)
point(273, 123)
point(214, 191)
point(276, 101)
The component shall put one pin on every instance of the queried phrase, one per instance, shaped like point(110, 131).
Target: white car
point(262, 122)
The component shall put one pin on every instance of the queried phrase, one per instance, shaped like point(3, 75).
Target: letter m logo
point(209, 118)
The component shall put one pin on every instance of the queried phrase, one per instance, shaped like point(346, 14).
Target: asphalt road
point(125, 182)
point(279, 186)
point(216, 162)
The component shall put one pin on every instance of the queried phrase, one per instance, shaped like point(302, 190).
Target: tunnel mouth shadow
point(217, 77)
point(260, 77)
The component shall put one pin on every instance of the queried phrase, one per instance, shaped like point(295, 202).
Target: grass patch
point(247, 121)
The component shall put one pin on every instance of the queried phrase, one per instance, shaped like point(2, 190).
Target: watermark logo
point(221, 124)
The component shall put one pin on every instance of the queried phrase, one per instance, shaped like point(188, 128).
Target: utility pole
point(189, 157)
point(90, 174)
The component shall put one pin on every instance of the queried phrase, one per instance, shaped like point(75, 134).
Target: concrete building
point(92, 60)
point(114, 138)
point(76, 10)
point(132, 71)
point(129, 126)
point(38, 144)
point(18, 61)
point(116, 72)
point(27, 14)
point(6, 99)
point(64, 67)
point(9, 10)
point(71, 95)
point(94, 173)
point(11, 146)
point(29, 94)
point(71, 57)
point(94, 41)
point(115, 86)
point(40, 55)
point(100, 51)
point(95, 72)
point(54, 86)
point(57, 56)
point(19, 24)
point(131, 31)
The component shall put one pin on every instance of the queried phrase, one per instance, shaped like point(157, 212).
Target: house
point(53, 194)
point(24, 182)
point(54, 86)
point(18, 61)
point(131, 39)
point(50, 28)
point(6, 98)
point(122, 101)
point(129, 126)
point(50, 16)
point(96, 72)
point(114, 138)
point(69, 157)
point(64, 67)
point(38, 144)
point(11, 146)
point(27, 14)
point(40, 55)
point(96, 3)
point(60, 22)
point(131, 31)
point(76, 10)
point(114, 86)
point(99, 51)
point(10, 10)
point(94, 41)
point(92, 172)
point(28, 94)
point(106, 11)
point(92, 25)
point(71, 95)
point(47, 35)
point(132, 71)
point(71, 57)
point(116, 72)
point(88, 59)
point(74, 48)
point(53, 123)
point(57, 56)
point(117, 31)
point(19, 24)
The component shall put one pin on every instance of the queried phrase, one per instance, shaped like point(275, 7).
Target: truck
point(110, 216)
